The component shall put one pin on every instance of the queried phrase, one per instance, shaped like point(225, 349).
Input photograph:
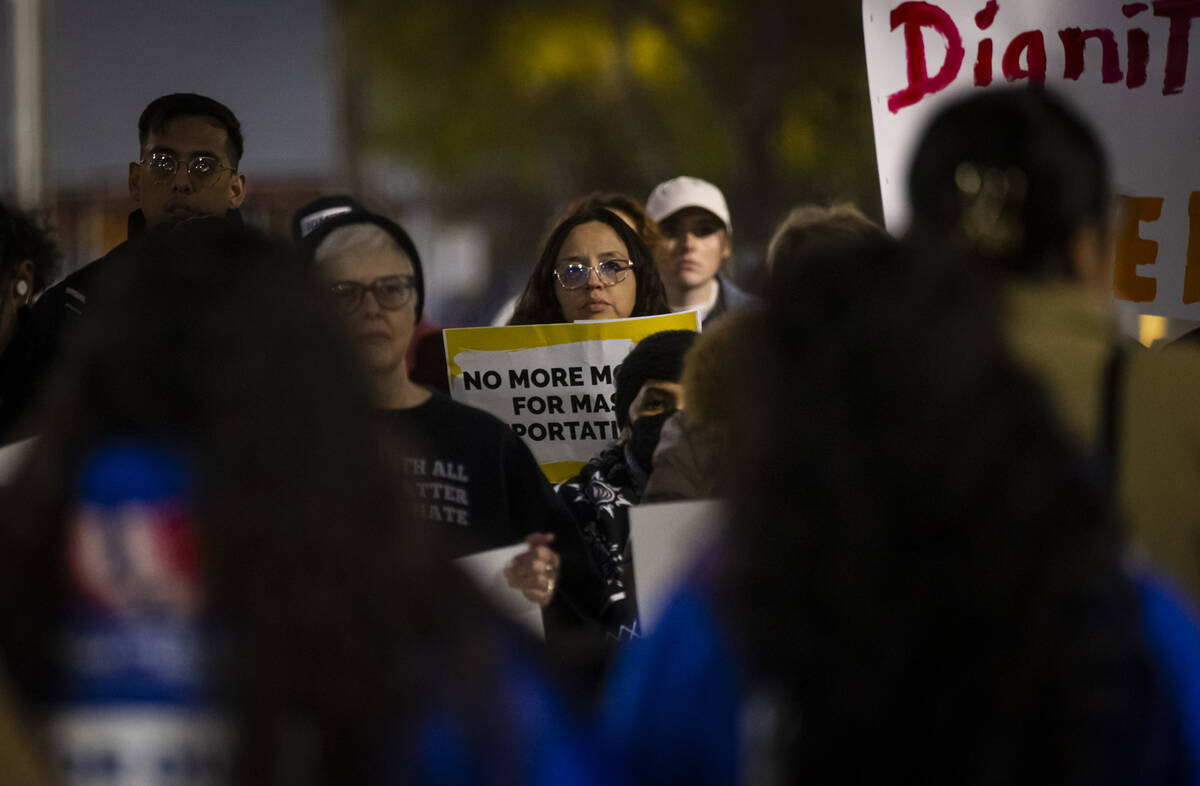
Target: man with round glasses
point(189, 149)
point(697, 239)
point(469, 474)
point(189, 160)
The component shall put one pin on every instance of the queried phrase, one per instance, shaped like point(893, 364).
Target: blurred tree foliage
point(539, 101)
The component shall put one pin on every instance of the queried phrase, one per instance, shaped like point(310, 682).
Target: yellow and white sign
point(554, 384)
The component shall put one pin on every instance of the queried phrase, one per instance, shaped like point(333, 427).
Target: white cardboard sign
point(1124, 65)
point(486, 569)
point(667, 538)
point(11, 457)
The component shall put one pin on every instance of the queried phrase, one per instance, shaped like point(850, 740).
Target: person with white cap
point(697, 238)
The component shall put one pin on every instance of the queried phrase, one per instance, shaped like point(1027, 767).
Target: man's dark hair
point(166, 108)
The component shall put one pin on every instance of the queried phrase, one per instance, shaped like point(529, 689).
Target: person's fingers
point(539, 560)
point(524, 567)
point(542, 593)
point(544, 554)
point(539, 538)
point(540, 598)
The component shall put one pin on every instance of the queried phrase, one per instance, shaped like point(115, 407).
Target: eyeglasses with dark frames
point(202, 169)
point(392, 293)
point(575, 275)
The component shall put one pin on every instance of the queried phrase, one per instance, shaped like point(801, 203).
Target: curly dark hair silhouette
point(923, 567)
point(346, 623)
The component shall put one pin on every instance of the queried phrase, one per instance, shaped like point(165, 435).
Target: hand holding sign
point(536, 571)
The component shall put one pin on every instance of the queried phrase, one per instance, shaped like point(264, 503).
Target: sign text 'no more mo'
point(555, 385)
point(1124, 65)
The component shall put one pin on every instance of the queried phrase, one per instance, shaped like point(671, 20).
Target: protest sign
point(667, 538)
point(554, 384)
point(486, 569)
point(1123, 65)
point(11, 457)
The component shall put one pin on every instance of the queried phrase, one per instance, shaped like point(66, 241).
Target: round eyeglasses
point(202, 169)
point(575, 275)
point(392, 293)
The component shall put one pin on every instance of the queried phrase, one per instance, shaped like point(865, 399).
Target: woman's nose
point(370, 304)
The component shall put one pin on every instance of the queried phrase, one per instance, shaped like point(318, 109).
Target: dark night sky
point(271, 61)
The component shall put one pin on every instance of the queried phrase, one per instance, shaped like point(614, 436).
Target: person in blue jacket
point(922, 577)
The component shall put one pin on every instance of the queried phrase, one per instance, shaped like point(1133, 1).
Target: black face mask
point(644, 438)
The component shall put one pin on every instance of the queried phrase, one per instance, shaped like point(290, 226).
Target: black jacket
point(729, 298)
point(27, 362)
point(38, 340)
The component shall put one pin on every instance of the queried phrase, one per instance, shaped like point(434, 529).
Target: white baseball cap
point(674, 195)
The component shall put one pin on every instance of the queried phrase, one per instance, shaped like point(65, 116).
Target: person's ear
point(22, 286)
point(135, 182)
point(726, 245)
point(237, 190)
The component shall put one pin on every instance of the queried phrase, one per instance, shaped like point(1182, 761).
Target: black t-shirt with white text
point(470, 474)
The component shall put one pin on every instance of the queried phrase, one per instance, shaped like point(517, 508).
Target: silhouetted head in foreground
point(922, 564)
point(1016, 182)
point(218, 354)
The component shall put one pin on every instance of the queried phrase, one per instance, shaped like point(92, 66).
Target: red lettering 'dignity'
point(1181, 13)
point(983, 64)
point(1139, 57)
point(1033, 43)
point(984, 19)
point(1075, 40)
point(915, 16)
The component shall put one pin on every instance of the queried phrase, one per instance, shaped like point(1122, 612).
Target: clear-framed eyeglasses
point(575, 275)
point(202, 169)
point(392, 293)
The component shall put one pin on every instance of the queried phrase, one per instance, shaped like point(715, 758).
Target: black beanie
point(315, 221)
point(317, 212)
point(657, 356)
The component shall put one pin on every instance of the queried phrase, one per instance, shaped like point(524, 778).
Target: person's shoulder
point(1172, 631)
point(734, 297)
point(442, 406)
point(75, 289)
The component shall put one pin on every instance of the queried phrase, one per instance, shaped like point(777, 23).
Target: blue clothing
point(132, 695)
point(1173, 633)
point(540, 743)
point(674, 704)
